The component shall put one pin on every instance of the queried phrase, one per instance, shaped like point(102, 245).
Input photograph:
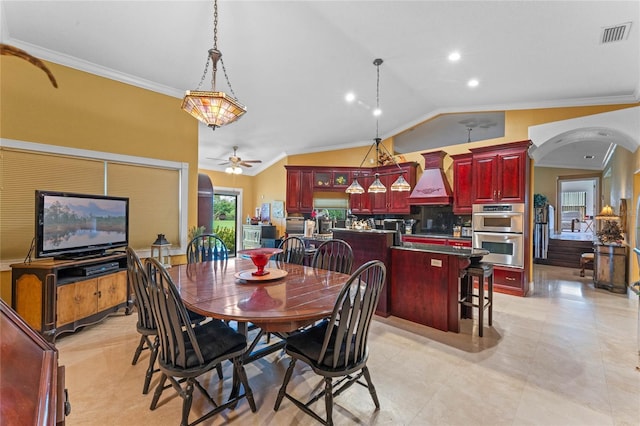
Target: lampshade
point(606, 213)
point(377, 187)
point(355, 188)
point(400, 185)
point(213, 108)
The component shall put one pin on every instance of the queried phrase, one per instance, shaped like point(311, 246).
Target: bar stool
point(483, 271)
point(585, 259)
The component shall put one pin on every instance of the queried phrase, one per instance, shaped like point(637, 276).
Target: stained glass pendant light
point(213, 108)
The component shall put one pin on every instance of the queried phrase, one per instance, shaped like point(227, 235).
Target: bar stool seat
point(469, 300)
point(585, 259)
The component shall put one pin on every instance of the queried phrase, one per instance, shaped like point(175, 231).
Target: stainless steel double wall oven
point(499, 228)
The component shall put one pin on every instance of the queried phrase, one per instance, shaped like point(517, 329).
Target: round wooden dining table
point(289, 297)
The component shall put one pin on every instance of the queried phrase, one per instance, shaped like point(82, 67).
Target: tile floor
point(565, 355)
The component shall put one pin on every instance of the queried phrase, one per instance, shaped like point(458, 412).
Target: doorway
point(227, 216)
point(577, 201)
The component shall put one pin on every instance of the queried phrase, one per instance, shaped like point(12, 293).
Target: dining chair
point(336, 349)
point(188, 352)
point(206, 247)
point(334, 255)
point(292, 251)
point(146, 325)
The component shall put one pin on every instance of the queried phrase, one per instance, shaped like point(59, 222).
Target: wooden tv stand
point(58, 296)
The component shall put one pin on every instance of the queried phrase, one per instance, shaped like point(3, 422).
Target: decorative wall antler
point(6, 49)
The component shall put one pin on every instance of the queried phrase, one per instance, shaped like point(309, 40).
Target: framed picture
point(277, 208)
point(265, 215)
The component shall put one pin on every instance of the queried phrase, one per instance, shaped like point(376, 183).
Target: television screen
point(73, 225)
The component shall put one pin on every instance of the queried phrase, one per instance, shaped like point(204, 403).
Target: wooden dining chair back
point(293, 250)
point(336, 349)
point(206, 247)
point(188, 351)
point(146, 325)
point(334, 255)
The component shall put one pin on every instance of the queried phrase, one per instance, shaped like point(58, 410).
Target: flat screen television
point(72, 226)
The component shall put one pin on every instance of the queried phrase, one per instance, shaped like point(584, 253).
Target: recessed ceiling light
point(454, 56)
point(350, 97)
point(377, 112)
point(589, 157)
point(473, 83)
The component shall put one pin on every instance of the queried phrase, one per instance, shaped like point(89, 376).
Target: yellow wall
point(94, 113)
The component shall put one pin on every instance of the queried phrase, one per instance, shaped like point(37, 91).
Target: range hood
point(433, 187)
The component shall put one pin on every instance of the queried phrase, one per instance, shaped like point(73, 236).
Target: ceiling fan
point(236, 162)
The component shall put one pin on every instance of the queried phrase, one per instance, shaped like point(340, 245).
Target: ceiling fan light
point(355, 188)
point(237, 171)
point(229, 170)
point(400, 185)
point(214, 109)
point(377, 187)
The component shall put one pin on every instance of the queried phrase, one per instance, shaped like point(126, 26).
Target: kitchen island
point(423, 280)
point(425, 283)
point(369, 244)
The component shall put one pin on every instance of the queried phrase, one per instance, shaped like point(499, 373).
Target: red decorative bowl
point(260, 257)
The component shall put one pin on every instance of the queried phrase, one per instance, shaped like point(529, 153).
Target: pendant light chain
point(215, 44)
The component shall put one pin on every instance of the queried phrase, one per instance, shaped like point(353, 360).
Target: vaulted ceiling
point(292, 63)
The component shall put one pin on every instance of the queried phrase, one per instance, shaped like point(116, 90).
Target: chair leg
point(283, 389)
point(158, 392)
point(219, 369)
point(186, 403)
point(328, 399)
point(139, 350)
point(480, 305)
point(372, 389)
point(152, 363)
point(242, 376)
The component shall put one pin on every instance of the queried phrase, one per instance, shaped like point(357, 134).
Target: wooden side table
point(610, 267)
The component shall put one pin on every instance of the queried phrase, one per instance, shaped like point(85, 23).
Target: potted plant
point(610, 233)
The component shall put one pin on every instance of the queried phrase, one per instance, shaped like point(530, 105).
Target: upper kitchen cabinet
point(331, 179)
point(361, 203)
point(462, 183)
point(299, 189)
point(500, 173)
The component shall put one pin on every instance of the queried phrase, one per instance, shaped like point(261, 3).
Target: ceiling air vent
point(615, 33)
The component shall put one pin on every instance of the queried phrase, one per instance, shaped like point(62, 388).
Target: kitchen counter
point(442, 249)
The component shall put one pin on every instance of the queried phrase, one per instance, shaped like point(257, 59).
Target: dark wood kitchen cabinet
point(331, 180)
point(462, 183)
point(299, 189)
point(361, 203)
point(500, 173)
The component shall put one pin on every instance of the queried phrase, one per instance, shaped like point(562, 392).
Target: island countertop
point(442, 249)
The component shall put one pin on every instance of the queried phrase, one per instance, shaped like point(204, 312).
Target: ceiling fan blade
point(252, 161)
point(245, 164)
